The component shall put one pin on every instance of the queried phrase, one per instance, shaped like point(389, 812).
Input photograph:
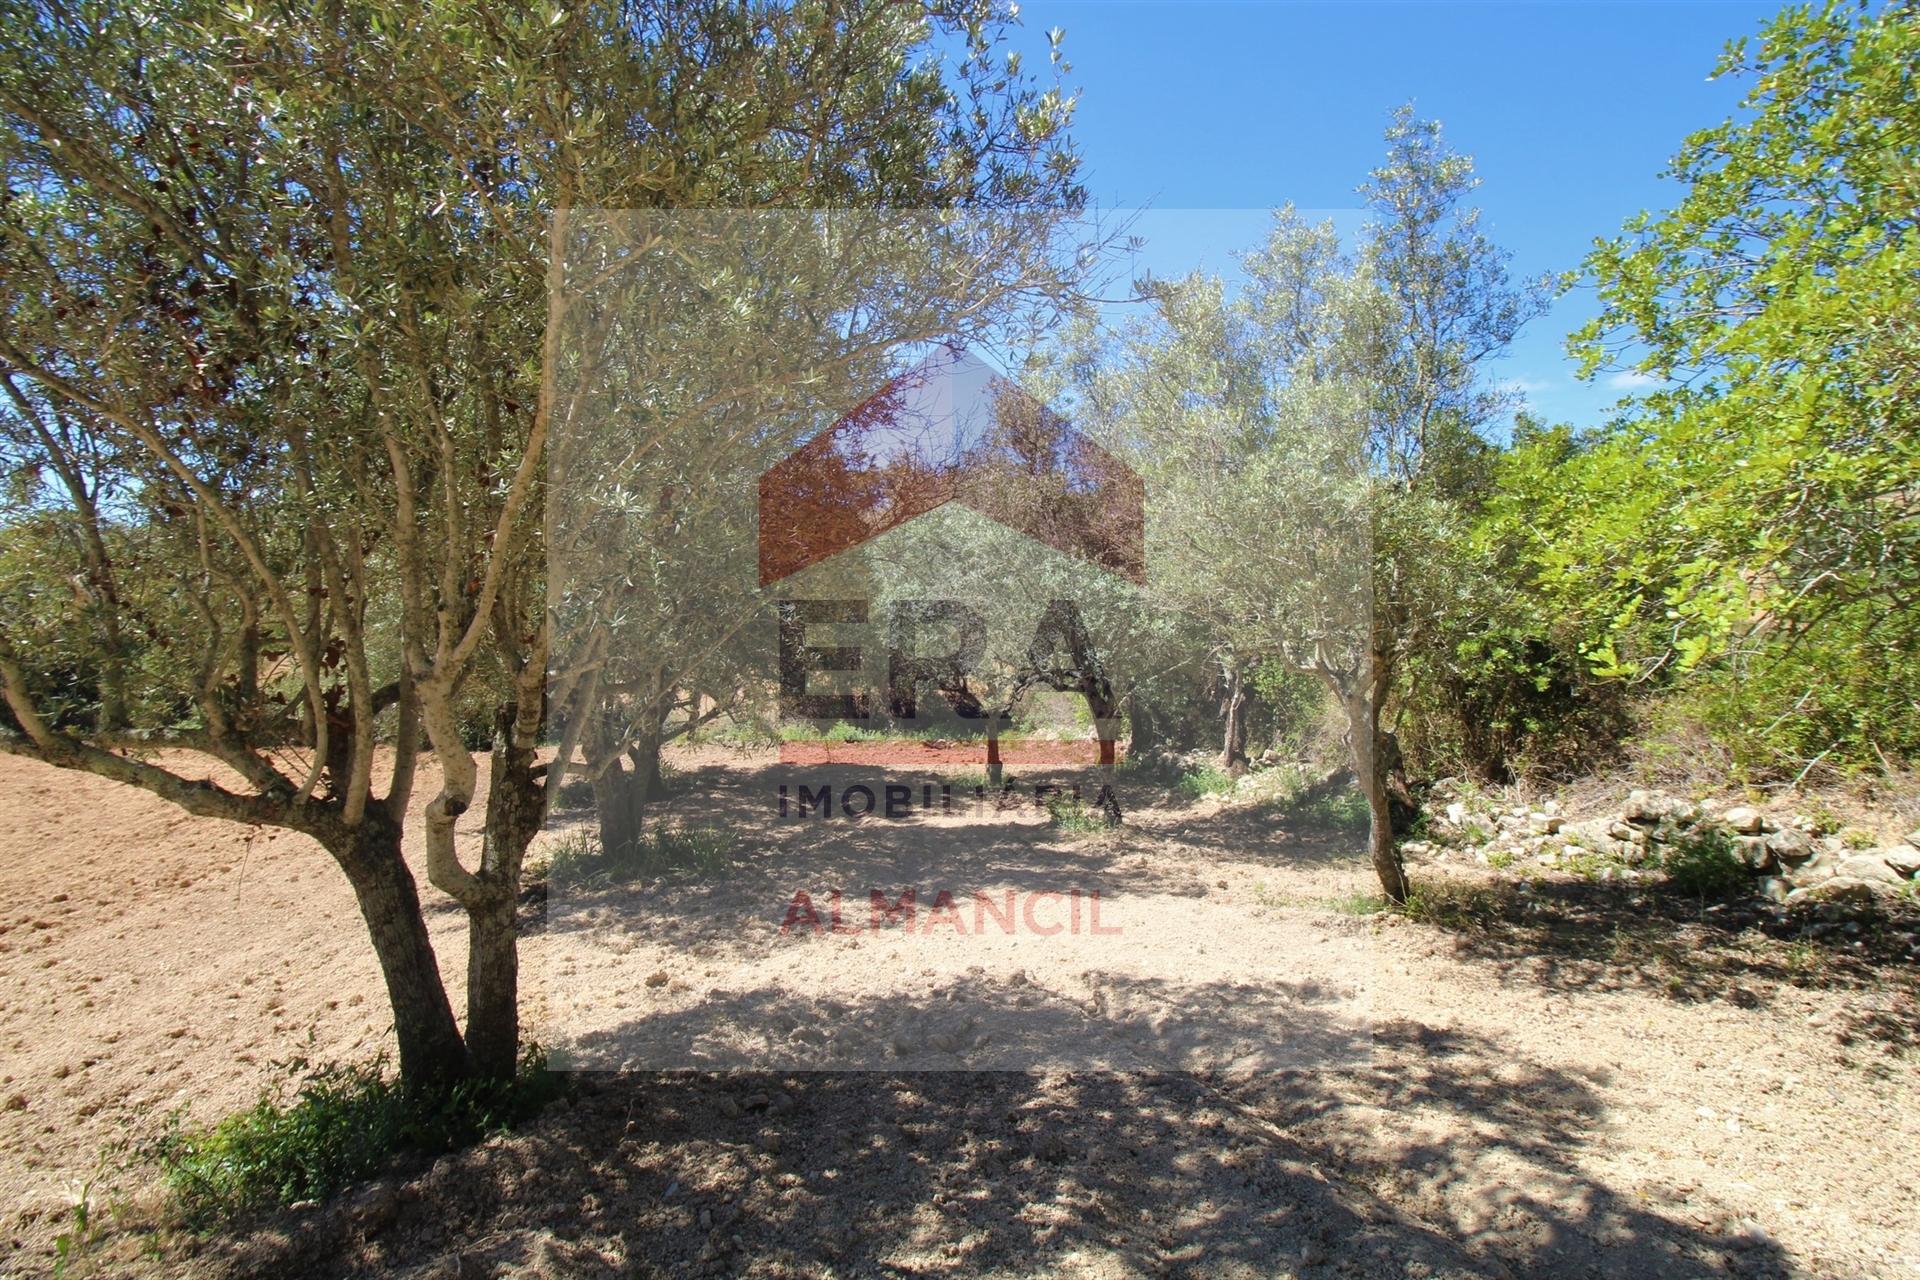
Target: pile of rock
point(1790, 859)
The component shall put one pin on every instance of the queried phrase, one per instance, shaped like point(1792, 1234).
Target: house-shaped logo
point(951, 430)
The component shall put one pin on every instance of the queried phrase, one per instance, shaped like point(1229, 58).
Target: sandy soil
point(1244, 1080)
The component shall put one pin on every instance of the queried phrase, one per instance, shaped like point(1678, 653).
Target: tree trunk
point(1363, 727)
point(1233, 708)
point(1143, 738)
point(432, 1054)
point(493, 988)
point(620, 803)
point(1106, 725)
point(516, 797)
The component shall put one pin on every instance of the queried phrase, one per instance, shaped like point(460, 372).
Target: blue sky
point(1570, 111)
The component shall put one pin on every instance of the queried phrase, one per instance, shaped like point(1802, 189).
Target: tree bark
point(516, 796)
point(432, 1054)
point(1143, 737)
point(1233, 707)
point(1363, 727)
point(620, 797)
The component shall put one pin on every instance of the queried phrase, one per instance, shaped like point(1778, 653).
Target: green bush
point(1209, 780)
point(1344, 810)
point(1072, 815)
point(698, 851)
point(1705, 865)
point(344, 1124)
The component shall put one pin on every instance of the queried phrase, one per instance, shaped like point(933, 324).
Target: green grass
point(342, 1125)
point(1457, 906)
point(1335, 811)
point(1705, 866)
point(1208, 780)
point(1359, 903)
point(701, 852)
point(1075, 817)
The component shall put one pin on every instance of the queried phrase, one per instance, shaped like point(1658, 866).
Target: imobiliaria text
point(897, 800)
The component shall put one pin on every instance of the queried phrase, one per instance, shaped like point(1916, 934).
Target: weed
point(70, 1246)
point(1074, 817)
point(1333, 811)
point(343, 1124)
point(1500, 859)
point(1208, 780)
point(1359, 903)
point(1705, 865)
point(1473, 832)
point(696, 851)
point(1456, 906)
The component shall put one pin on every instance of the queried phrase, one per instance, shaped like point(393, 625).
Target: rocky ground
point(1563, 1067)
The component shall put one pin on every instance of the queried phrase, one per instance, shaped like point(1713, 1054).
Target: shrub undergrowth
point(342, 1124)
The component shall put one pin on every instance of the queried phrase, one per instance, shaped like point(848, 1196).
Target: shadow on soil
point(957, 1173)
point(1583, 936)
point(1435, 1153)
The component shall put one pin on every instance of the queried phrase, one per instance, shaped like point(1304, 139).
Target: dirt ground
point(1247, 1079)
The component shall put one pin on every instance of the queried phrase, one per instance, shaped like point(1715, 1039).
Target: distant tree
point(1305, 442)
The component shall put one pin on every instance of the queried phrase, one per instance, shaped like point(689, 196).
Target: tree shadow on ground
point(1581, 935)
point(1445, 1156)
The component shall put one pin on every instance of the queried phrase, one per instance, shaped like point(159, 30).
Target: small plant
point(695, 851)
point(1359, 903)
point(1705, 865)
point(966, 784)
point(1500, 859)
point(1590, 864)
point(1209, 780)
point(344, 1124)
point(1857, 838)
point(1457, 907)
point(1334, 811)
point(70, 1246)
point(1072, 815)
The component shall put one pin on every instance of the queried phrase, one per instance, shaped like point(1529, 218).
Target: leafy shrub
point(1209, 780)
point(1072, 815)
point(344, 1124)
point(698, 851)
point(1705, 865)
point(1344, 810)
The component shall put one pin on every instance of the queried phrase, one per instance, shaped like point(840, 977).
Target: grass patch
point(1359, 903)
point(1457, 906)
point(693, 851)
point(1073, 816)
point(1209, 780)
point(1342, 811)
point(1705, 865)
point(341, 1125)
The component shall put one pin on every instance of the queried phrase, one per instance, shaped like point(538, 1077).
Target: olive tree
point(299, 279)
point(1303, 437)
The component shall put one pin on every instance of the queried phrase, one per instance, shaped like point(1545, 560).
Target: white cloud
point(1633, 380)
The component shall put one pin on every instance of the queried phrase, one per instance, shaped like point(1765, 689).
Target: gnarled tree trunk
point(1363, 726)
point(432, 1053)
point(1233, 714)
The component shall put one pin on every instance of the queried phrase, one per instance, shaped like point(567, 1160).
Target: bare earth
point(1243, 1081)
